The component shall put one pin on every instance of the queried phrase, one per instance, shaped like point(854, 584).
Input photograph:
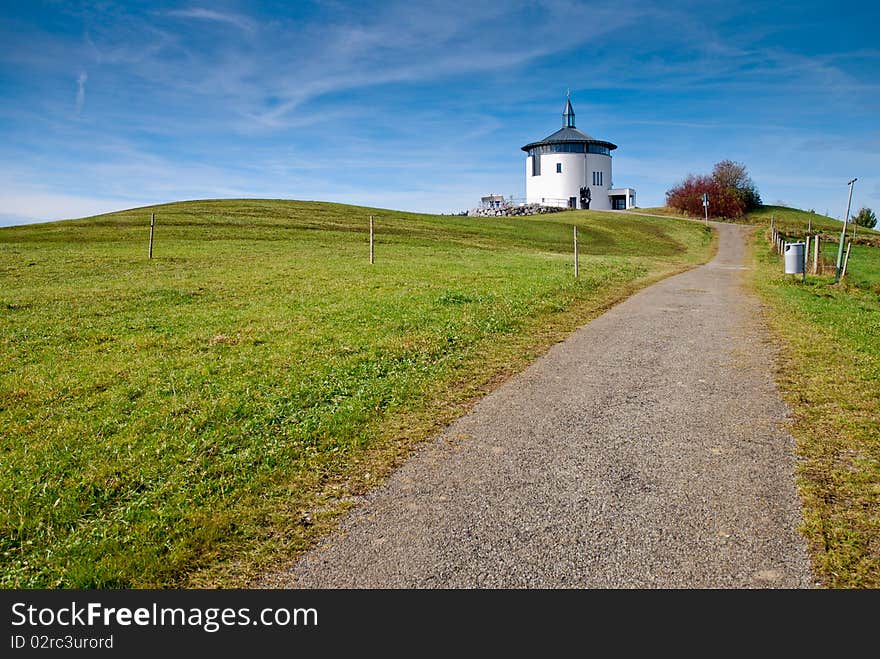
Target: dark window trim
point(570, 147)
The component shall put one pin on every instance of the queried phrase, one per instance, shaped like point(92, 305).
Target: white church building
point(570, 169)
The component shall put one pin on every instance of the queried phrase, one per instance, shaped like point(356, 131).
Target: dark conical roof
point(568, 115)
point(568, 133)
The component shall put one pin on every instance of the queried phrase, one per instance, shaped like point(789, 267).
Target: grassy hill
point(829, 336)
point(191, 419)
point(794, 221)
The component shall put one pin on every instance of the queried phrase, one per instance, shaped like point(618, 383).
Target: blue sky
point(424, 106)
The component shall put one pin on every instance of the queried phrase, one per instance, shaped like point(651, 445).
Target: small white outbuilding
point(570, 169)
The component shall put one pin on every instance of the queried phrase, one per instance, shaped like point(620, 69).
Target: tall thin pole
point(576, 269)
point(843, 233)
point(806, 255)
point(807, 244)
point(846, 260)
point(371, 238)
point(152, 225)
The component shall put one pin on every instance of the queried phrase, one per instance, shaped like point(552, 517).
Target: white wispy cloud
point(294, 62)
point(81, 91)
point(237, 20)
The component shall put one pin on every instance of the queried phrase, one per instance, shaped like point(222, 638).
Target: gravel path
point(644, 451)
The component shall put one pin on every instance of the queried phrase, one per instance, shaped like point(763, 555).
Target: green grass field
point(792, 221)
point(862, 268)
point(196, 418)
point(663, 210)
point(830, 377)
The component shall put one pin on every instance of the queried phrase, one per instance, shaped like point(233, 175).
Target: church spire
point(568, 113)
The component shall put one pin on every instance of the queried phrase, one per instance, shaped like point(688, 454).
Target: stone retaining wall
point(510, 211)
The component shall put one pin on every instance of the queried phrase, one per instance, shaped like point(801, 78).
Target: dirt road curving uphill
point(644, 451)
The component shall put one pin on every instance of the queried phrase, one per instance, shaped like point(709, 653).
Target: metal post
point(843, 233)
point(846, 259)
point(152, 225)
point(371, 238)
point(576, 269)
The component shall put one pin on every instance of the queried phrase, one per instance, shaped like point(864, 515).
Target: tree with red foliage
point(730, 188)
point(687, 197)
point(734, 176)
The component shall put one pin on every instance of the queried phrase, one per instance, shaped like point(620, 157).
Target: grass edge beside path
point(828, 373)
point(395, 441)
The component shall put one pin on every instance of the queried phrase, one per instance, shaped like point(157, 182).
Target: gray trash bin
point(794, 258)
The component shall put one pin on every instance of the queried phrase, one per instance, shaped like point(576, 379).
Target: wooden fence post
point(806, 254)
point(816, 256)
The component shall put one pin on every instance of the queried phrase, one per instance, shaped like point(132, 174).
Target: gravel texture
point(648, 450)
